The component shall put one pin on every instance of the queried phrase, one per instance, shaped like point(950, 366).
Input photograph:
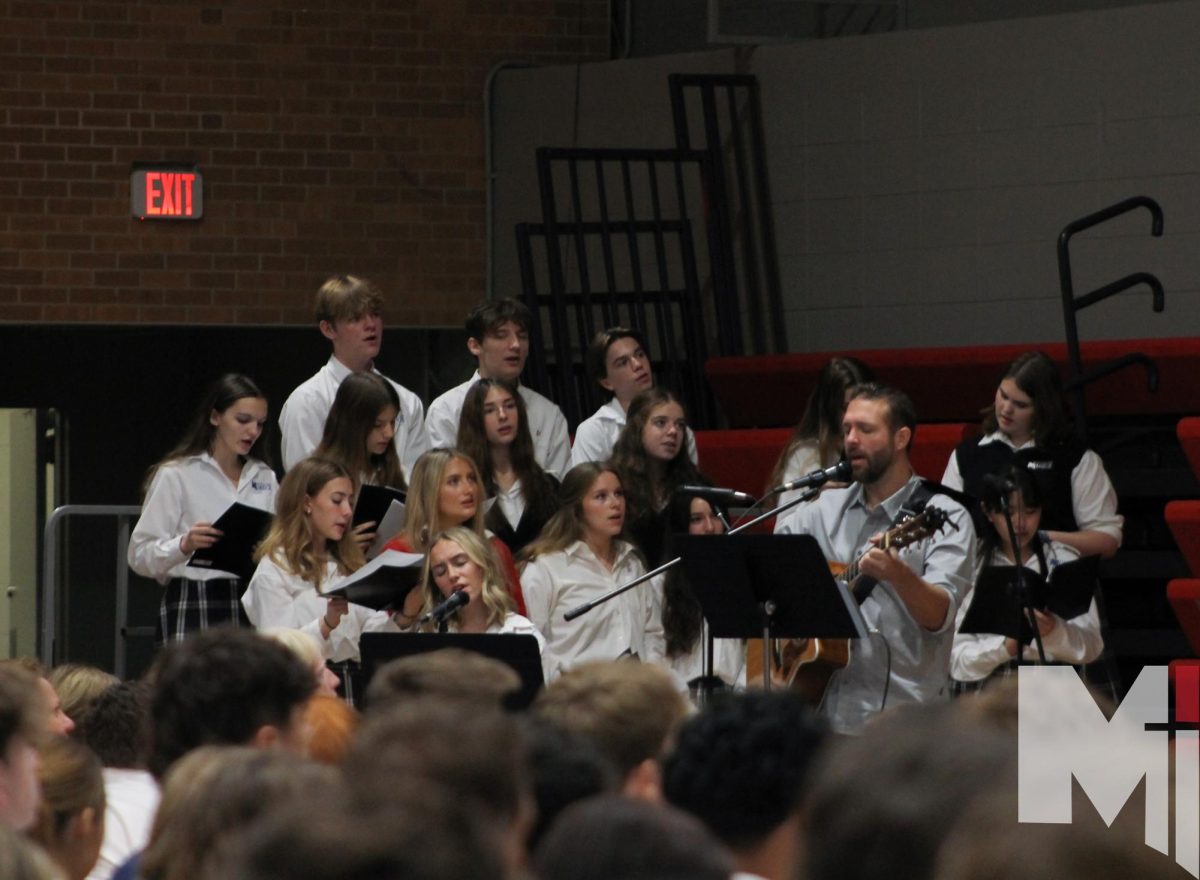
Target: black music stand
point(768, 587)
point(519, 652)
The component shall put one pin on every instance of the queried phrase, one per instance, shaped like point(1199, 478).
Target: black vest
point(1050, 469)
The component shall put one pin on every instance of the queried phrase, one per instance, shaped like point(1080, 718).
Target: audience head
point(1030, 403)
point(331, 723)
point(565, 768)
point(629, 710)
point(22, 724)
point(22, 859)
point(361, 428)
point(740, 766)
point(313, 512)
point(459, 559)
point(54, 719)
point(226, 687)
point(214, 792)
point(476, 754)
point(70, 821)
point(231, 419)
point(498, 337)
point(78, 685)
point(880, 804)
point(591, 507)
point(618, 361)
point(445, 491)
point(450, 674)
point(117, 726)
point(304, 646)
point(348, 310)
point(617, 838)
point(422, 833)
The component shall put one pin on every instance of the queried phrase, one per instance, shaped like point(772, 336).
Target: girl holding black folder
point(976, 656)
point(309, 550)
point(223, 458)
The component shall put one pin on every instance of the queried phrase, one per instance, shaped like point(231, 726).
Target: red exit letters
point(166, 191)
point(169, 194)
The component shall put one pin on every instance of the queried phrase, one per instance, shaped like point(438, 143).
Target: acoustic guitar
point(806, 665)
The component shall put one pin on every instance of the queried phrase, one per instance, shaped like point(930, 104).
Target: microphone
point(721, 496)
point(840, 472)
point(448, 606)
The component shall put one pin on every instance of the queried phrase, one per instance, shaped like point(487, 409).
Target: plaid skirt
point(190, 606)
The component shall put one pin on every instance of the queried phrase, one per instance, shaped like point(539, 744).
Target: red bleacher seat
point(1188, 432)
point(952, 384)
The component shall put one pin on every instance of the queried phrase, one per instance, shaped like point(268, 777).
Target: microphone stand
point(706, 669)
point(1022, 588)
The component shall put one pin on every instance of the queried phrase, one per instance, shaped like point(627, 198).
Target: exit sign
point(163, 191)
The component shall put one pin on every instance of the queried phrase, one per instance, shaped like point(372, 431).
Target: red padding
point(953, 384)
point(1188, 432)
point(1184, 596)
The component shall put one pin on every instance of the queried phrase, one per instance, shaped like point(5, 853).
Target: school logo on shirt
point(259, 486)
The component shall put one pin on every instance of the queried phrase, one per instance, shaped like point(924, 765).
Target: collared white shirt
point(512, 503)
point(631, 623)
point(900, 658)
point(302, 419)
point(547, 425)
point(1093, 499)
point(184, 492)
point(597, 435)
point(975, 656)
point(276, 597)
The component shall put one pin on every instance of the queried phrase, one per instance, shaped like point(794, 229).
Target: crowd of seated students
point(609, 774)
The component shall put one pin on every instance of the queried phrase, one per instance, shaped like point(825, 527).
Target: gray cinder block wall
point(921, 178)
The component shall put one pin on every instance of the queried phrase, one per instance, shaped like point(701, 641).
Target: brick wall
point(333, 137)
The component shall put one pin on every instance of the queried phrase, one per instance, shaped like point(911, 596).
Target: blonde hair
point(494, 594)
point(289, 543)
point(303, 645)
point(78, 685)
point(347, 298)
point(423, 517)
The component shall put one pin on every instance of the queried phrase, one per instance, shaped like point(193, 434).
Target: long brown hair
point(630, 461)
point(822, 419)
point(536, 486)
point(360, 400)
point(1037, 375)
point(201, 432)
point(567, 525)
point(290, 541)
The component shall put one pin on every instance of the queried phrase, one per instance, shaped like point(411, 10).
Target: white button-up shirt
point(302, 419)
point(628, 624)
point(184, 492)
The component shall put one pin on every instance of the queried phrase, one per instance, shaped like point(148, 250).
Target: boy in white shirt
point(618, 363)
point(348, 311)
point(498, 337)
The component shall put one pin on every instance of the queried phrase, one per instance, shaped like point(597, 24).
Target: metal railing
point(1073, 304)
point(124, 515)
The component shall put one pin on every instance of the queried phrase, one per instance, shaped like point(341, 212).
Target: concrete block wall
point(920, 179)
point(333, 137)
